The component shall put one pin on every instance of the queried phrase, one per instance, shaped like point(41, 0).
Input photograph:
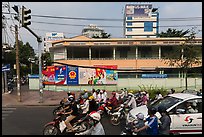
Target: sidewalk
point(32, 98)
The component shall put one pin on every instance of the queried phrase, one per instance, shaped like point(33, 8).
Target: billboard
point(72, 75)
point(48, 75)
point(98, 76)
point(138, 10)
point(60, 75)
point(52, 36)
point(87, 76)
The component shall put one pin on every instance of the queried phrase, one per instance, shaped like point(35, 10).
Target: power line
point(110, 26)
point(106, 19)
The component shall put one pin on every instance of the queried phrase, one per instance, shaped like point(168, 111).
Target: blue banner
point(72, 75)
point(154, 75)
point(60, 75)
point(6, 68)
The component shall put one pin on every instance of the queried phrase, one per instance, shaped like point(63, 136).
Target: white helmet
point(95, 115)
point(140, 116)
point(130, 94)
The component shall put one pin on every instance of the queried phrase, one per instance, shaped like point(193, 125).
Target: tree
point(46, 57)
point(103, 35)
point(173, 33)
point(185, 55)
point(25, 52)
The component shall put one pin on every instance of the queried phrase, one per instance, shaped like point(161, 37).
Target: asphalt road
point(30, 121)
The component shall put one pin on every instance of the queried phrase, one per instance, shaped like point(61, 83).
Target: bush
point(153, 90)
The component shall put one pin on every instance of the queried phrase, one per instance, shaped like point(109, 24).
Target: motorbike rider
point(92, 104)
point(73, 112)
point(152, 126)
point(140, 123)
point(164, 121)
point(113, 100)
point(85, 95)
point(131, 103)
point(85, 105)
point(96, 126)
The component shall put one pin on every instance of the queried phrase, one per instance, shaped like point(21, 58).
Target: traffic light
point(15, 8)
point(26, 17)
point(44, 65)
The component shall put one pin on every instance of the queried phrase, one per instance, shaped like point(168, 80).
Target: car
point(183, 121)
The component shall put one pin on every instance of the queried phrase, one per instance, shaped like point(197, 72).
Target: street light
point(31, 60)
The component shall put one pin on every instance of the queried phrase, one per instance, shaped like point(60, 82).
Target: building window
point(129, 29)
point(129, 23)
point(148, 26)
point(129, 18)
point(129, 36)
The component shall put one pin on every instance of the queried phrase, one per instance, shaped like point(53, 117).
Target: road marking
point(6, 111)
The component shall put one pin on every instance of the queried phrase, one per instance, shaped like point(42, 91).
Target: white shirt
point(94, 130)
point(132, 103)
point(85, 106)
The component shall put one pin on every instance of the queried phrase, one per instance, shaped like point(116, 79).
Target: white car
point(183, 121)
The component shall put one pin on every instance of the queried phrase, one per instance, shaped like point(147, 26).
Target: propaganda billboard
point(98, 76)
point(87, 76)
point(106, 75)
point(48, 75)
point(60, 75)
point(72, 75)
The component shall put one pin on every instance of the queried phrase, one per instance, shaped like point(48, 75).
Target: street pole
point(17, 64)
point(40, 70)
point(39, 39)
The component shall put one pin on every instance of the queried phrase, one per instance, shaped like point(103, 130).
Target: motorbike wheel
point(51, 130)
point(115, 120)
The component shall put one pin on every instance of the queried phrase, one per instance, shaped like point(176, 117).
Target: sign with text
point(72, 75)
point(60, 75)
point(48, 75)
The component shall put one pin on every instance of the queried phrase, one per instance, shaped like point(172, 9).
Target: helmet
point(71, 98)
point(85, 90)
point(143, 93)
point(131, 91)
point(140, 116)
point(130, 94)
point(101, 91)
point(95, 115)
point(91, 97)
point(161, 109)
point(152, 110)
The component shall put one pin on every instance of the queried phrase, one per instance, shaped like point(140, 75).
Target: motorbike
point(128, 130)
point(59, 108)
point(105, 109)
point(118, 115)
point(10, 86)
point(58, 127)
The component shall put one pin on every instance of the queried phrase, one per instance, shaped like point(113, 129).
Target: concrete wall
point(129, 83)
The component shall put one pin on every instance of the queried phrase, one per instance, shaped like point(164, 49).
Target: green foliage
point(47, 57)
point(152, 90)
point(103, 35)
point(173, 33)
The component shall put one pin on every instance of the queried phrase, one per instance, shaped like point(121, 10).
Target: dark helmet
point(152, 110)
point(161, 109)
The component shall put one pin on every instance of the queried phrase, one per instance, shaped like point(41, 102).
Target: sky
point(102, 10)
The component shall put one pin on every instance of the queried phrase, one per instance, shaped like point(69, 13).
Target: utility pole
point(17, 64)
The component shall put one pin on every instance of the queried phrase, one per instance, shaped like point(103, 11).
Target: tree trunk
point(186, 78)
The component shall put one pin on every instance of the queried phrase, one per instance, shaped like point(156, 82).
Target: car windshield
point(168, 101)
